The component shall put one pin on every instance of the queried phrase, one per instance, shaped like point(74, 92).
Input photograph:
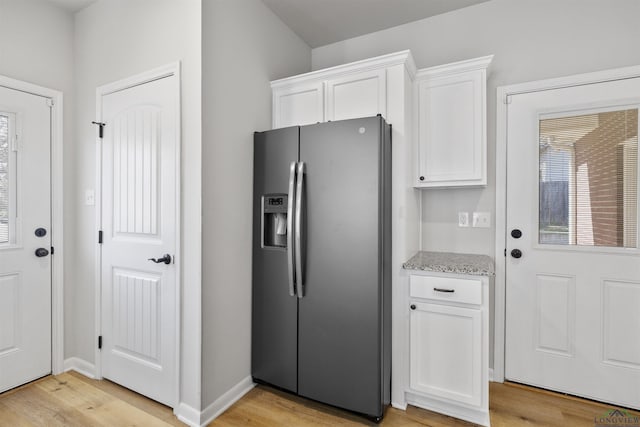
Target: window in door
point(7, 180)
point(588, 179)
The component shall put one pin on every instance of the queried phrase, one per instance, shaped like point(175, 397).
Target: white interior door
point(139, 206)
point(573, 296)
point(25, 262)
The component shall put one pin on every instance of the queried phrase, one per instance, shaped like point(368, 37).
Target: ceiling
point(72, 5)
point(321, 22)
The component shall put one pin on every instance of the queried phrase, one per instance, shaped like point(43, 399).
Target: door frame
point(170, 70)
point(504, 94)
point(57, 210)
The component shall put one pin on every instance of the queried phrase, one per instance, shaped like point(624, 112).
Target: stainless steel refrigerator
point(321, 325)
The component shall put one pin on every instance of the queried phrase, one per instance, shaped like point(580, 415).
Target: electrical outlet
point(463, 219)
point(482, 219)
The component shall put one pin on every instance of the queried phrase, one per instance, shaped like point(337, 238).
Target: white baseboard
point(491, 374)
point(81, 366)
point(222, 403)
point(195, 418)
point(188, 415)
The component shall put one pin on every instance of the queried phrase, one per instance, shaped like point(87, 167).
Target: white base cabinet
point(448, 345)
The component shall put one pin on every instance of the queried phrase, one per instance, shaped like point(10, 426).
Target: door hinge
point(100, 237)
point(100, 128)
point(100, 342)
point(52, 250)
point(50, 102)
point(15, 143)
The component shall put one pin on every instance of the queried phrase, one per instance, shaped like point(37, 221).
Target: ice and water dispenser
point(274, 220)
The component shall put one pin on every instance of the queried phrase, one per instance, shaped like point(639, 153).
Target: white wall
point(115, 39)
point(244, 47)
point(531, 40)
point(37, 47)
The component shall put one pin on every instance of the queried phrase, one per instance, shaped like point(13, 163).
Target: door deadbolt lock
point(40, 232)
point(516, 234)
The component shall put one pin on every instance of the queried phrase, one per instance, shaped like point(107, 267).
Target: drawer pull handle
point(444, 290)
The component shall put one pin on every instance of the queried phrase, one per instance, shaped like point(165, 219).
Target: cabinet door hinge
point(100, 342)
point(100, 236)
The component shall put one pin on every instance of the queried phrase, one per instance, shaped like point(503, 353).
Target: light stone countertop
point(445, 262)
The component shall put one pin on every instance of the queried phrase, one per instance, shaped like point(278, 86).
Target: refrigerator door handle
point(299, 238)
point(290, 229)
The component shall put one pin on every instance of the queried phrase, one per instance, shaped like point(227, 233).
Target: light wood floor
point(73, 400)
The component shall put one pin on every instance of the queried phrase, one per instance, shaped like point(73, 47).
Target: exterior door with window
point(573, 265)
point(25, 238)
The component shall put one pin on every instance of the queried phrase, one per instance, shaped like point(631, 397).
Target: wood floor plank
point(72, 400)
point(149, 406)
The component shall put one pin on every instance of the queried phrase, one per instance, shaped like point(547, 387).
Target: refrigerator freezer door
point(340, 315)
point(274, 311)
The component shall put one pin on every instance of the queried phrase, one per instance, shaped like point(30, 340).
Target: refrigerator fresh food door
point(340, 323)
point(274, 350)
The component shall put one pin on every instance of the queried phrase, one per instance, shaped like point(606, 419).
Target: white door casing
point(25, 279)
point(140, 299)
point(570, 323)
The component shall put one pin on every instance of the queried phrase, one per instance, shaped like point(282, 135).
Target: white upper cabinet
point(362, 94)
point(298, 105)
point(450, 116)
point(357, 89)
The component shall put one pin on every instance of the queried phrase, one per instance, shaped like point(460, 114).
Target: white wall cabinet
point(361, 94)
point(359, 89)
point(449, 345)
point(298, 105)
point(450, 116)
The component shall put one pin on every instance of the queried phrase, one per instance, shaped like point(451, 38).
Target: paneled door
point(573, 264)
point(140, 294)
point(25, 237)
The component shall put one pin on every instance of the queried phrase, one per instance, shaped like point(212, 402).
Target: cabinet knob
point(422, 178)
point(413, 306)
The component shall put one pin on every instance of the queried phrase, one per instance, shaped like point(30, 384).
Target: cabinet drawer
point(468, 291)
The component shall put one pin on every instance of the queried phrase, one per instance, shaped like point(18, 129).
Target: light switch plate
point(482, 219)
point(89, 198)
point(463, 219)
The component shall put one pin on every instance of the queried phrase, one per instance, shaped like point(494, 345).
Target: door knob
point(516, 253)
point(165, 259)
point(516, 234)
point(40, 252)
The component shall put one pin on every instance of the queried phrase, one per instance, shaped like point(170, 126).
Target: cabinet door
point(451, 131)
point(300, 105)
point(357, 95)
point(446, 352)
